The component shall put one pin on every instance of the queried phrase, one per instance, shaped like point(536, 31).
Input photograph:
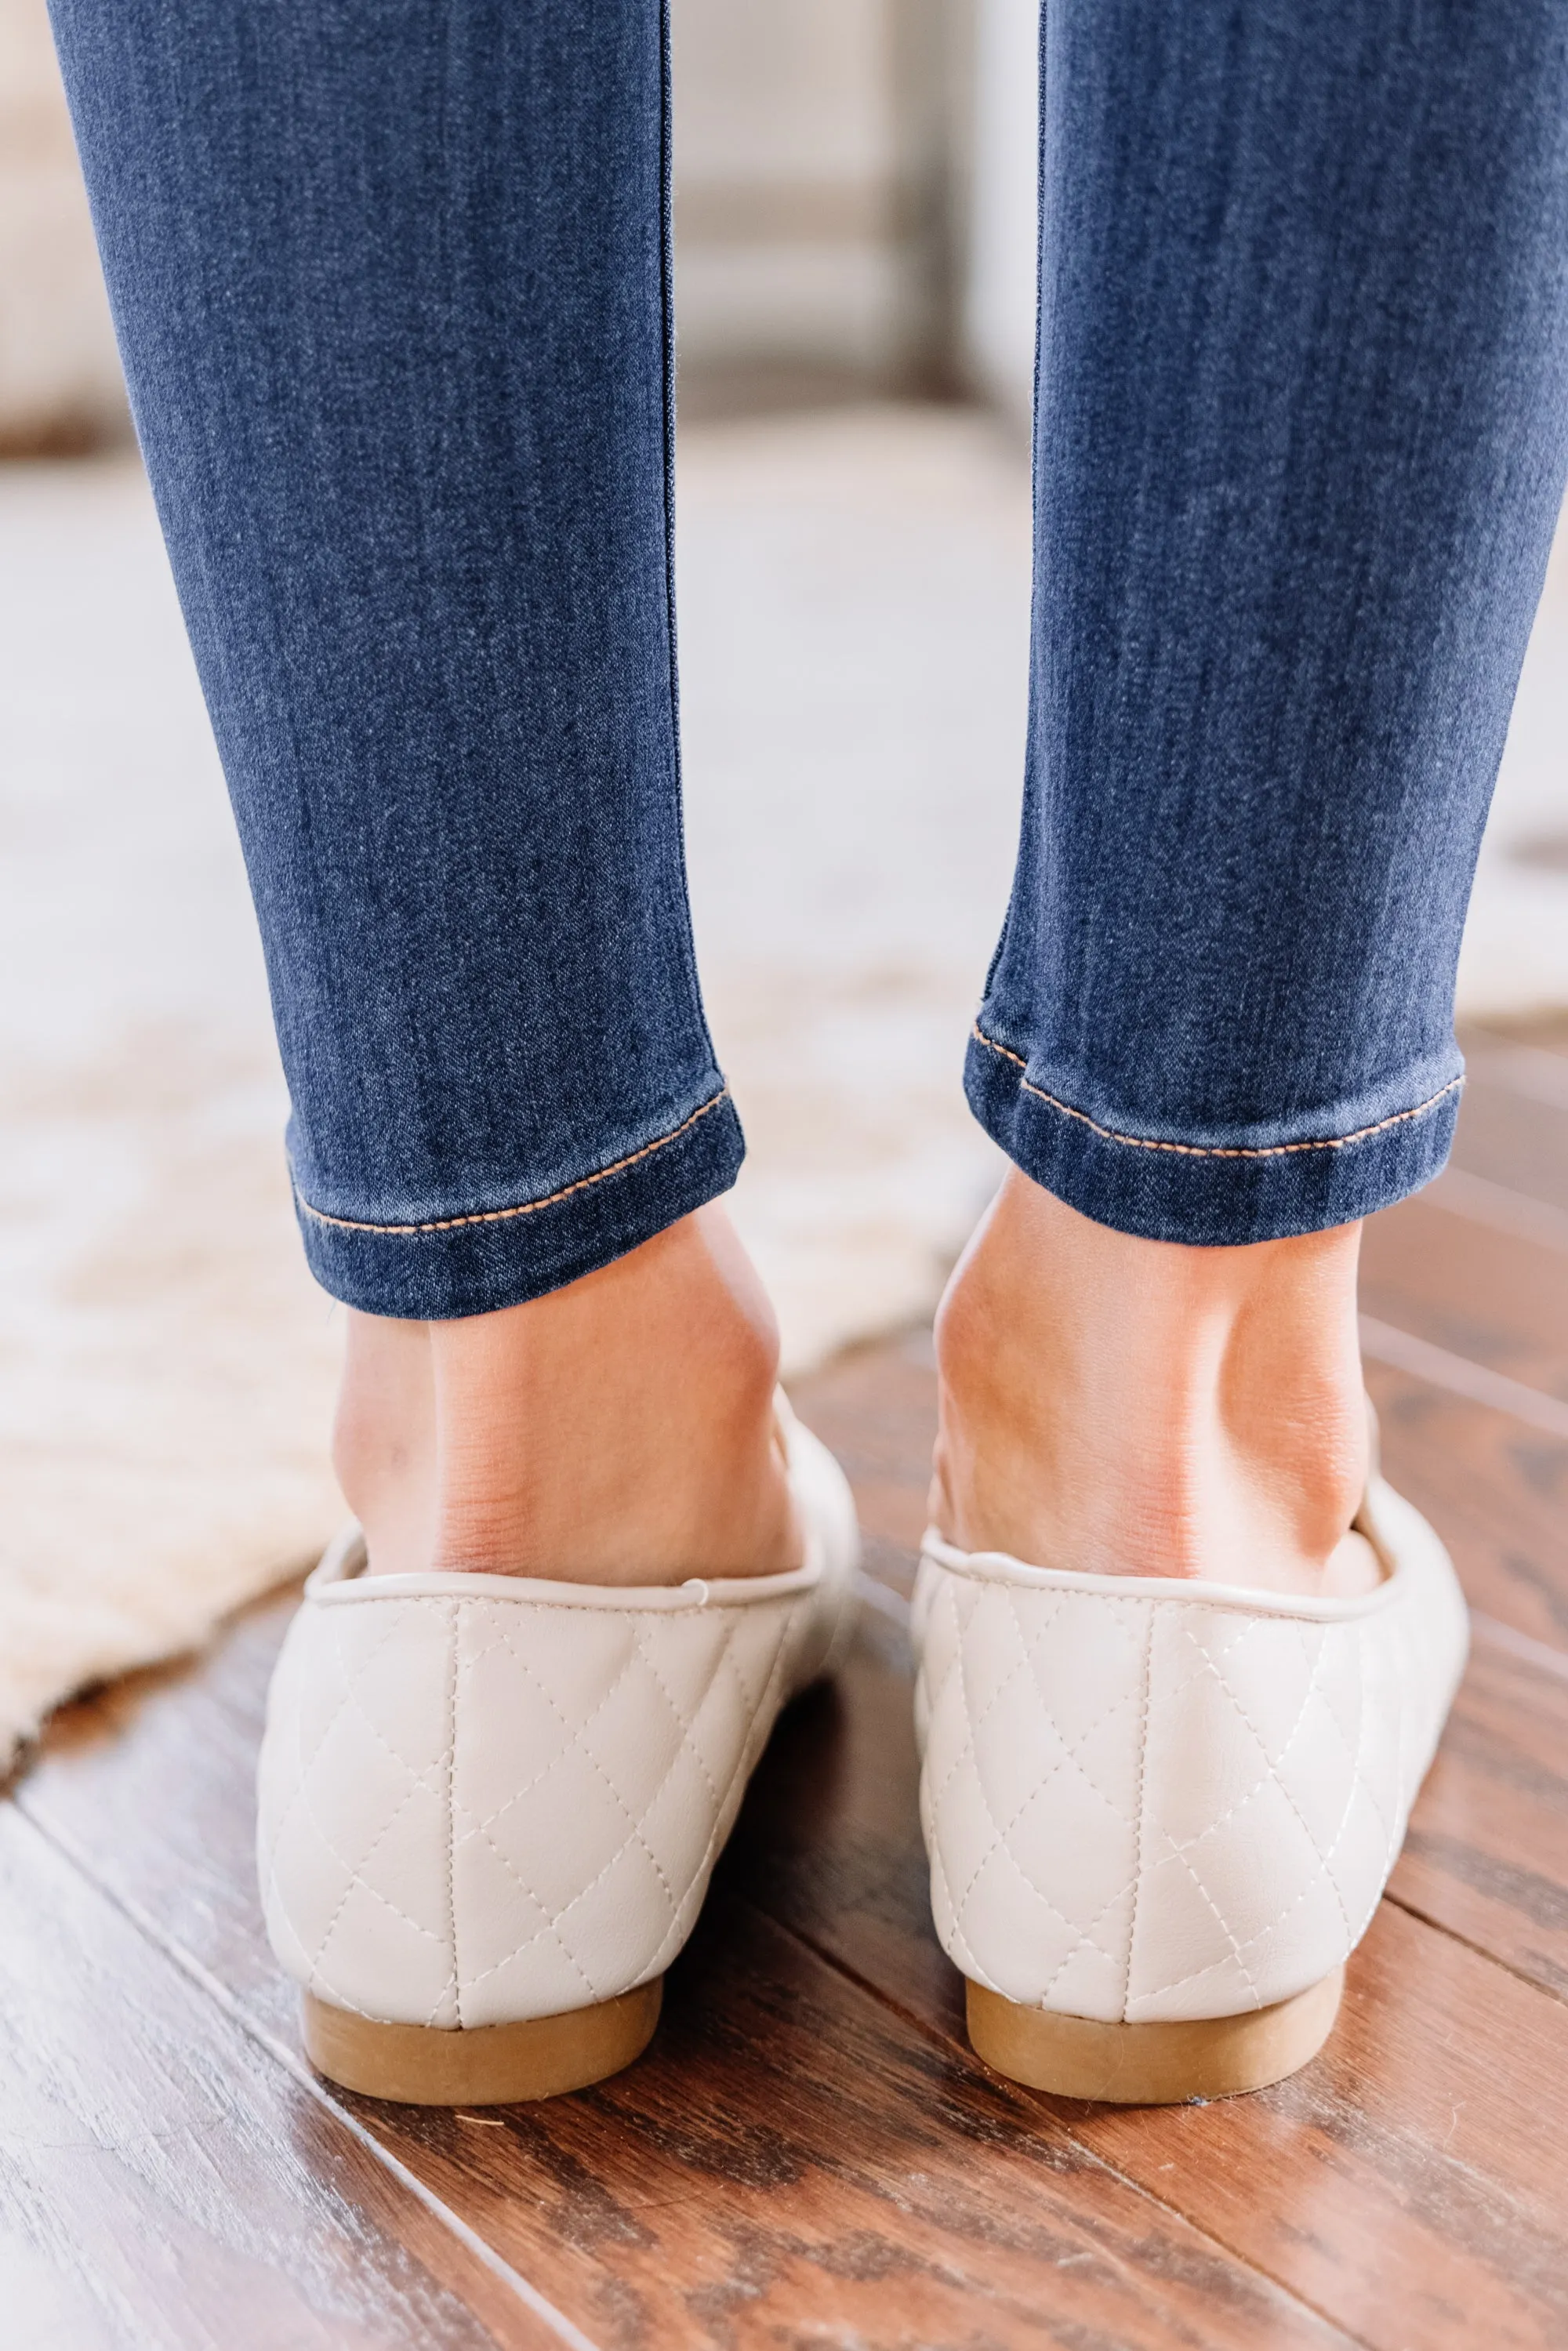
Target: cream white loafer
point(490, 1806)
point(1160, 1814)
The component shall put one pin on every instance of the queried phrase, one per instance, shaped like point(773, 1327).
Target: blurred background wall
point(855, 199)
point(59, 378)
point(822, 153)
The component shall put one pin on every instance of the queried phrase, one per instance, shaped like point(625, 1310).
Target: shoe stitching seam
point(1211, 1150)
point(1273, 1776)
point(936, 1692)
point(579, 1743)
point(501, 1638)
point(1208, 1668)
point(304, 1766)
point(354, 1876)
point(1392, 1829)
point(686, 1723)
point(974, 1724)
point(482, 1827)
point(524, 1207)
point(968, 1753)
point(1181, 1851)
point(1000, 1835)
point(1317, 1689)
point(549, 1925)
point(1003, 1831)
point(354, 1871)
point(635, 1836)
point(1138, 1805)
point(1086, 1935)
point(1070, 1755)
point(766, 1716)
point(1237, 1947)
point(1358, 1785)
point(454, 1620)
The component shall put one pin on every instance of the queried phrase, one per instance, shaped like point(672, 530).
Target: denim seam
point(525, 1208)
point(1215, 1150)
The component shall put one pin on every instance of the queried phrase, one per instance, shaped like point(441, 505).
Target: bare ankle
point(619, 1430)
point(1137, 1407)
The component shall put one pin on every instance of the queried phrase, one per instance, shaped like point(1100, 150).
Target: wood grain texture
point(1509, 1136)
point(1487, 1856)
point(810, 2154)
point(1410, 2182)
point(1496, 1490)
point(1353, 2184)
point(1492, 1297)
point(793, 2162)
point(880, 1404)
point(815, 2095)
point(163, 2182)
point(1349, 2184)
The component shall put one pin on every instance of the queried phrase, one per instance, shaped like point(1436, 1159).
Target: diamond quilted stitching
point(1282, 1649)
point(363, 1830)
point(1259, 1856)
point(1005, 1785)
point(497, 1865)
point(1258, 1872)
point(390, 1812)
point(298, 1693)
point(1036, 1791)
point(770, 1690)
point(678, 1726)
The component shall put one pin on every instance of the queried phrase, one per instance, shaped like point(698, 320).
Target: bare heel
point(1152, 2065)
point(484, 2065)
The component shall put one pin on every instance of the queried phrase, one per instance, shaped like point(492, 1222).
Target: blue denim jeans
point(391, 281)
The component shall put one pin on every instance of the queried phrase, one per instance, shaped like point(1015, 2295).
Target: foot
point(619, 1430)
point(1137, 1407)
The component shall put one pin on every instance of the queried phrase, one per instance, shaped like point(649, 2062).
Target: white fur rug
point(853, 627)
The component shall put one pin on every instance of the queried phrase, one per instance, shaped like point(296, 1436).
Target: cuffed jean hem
point(476, 1260)
point(1210, 1196)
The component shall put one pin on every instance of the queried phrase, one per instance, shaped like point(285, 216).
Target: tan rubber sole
point(1152, 2065)
point(487, 2064)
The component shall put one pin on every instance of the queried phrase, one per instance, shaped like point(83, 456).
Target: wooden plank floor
point(810, 2155)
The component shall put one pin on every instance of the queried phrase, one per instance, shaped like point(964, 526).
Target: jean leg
point(1302, 428)
point(391, 283)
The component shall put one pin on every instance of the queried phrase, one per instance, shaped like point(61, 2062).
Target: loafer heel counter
point(476, 1813)
point(1160, 1805)
point(485, 1801)
point(354, 1823)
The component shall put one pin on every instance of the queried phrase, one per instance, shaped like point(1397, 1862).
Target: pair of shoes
point(1159, 1815)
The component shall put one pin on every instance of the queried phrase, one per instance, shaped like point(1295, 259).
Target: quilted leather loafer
point(490, 1806)
point(1160, 1814)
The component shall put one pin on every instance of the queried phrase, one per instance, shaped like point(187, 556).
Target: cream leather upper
point(1147, 1800)
point(484, 1798)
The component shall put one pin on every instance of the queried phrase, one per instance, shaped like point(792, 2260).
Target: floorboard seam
point(1090, 2155)
point(1494, 1634)
point(1467, 1942)
point(1500, 1208)
point(192, 1969)
point(1402, 1351)
point(1533, 1073)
